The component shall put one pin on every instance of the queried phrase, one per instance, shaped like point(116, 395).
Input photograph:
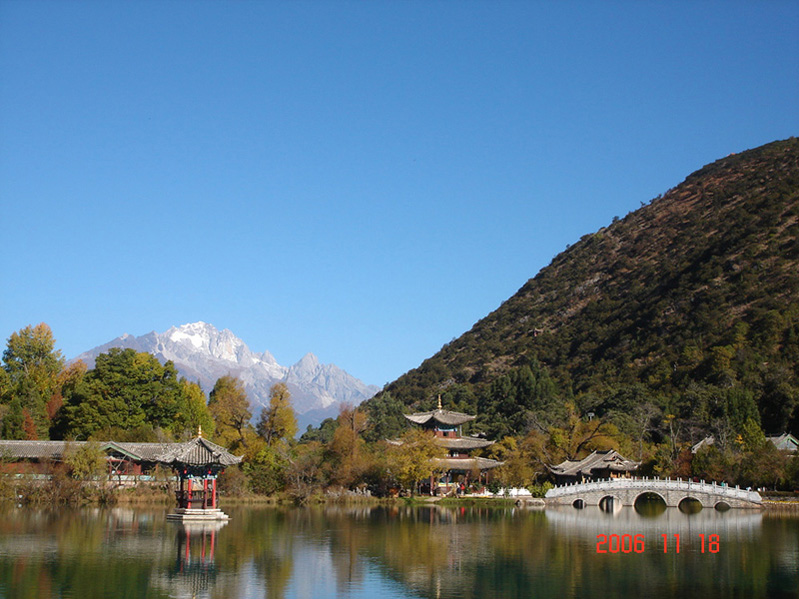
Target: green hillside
point(689, 304)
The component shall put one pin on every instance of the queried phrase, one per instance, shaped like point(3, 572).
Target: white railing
point(654, 483)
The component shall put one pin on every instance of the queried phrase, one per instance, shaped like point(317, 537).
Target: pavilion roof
point(443, 416)
point(466, 443)
point(597, 460)
point(466, 464)
point(198, 452)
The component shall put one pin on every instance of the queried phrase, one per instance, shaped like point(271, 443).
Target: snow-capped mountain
point(203, 353)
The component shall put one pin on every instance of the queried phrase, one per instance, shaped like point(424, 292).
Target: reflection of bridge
point(627, 490)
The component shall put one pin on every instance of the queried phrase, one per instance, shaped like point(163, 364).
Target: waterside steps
point(197, 515)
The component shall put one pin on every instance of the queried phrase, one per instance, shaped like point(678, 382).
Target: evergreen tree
point(125, 390)
point(385, 418)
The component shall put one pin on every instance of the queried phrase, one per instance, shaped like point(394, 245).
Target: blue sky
point(360, 180)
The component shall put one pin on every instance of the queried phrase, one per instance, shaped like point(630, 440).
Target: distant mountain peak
point(309, 360)
point(206, 338)
point(203, 353)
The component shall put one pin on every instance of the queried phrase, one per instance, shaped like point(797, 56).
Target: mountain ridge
point(680, 291)
point(202, 353)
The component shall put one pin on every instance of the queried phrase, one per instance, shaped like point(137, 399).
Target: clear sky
point(360, 180)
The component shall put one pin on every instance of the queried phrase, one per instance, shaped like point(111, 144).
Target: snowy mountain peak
point(308, 362)
point(203, 353)
point(205, 338)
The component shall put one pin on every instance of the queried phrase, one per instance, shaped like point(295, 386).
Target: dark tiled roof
point(467, 464)
point(197, 452)
point(442, 416)
point(144, 452)
point(785, 442)
point(32, 450)
point(598, 460)
point(462, 442)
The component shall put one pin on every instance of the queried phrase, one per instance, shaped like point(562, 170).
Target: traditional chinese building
point(459, 467)
point(126, 462)
point(196, 464)
point(785, 442)
point(597, 465)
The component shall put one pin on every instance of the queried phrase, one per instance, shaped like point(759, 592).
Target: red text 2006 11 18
point(627, 543)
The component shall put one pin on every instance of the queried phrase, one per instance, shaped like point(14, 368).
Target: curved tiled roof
point(442, 416)
point(36, 450)
point(197, 452)
point(462, 442)
point(597, 460)
point(466, 464)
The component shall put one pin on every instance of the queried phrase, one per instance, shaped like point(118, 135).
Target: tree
point(305, 473)
point(523, 460)
point(86, 461)
point(193, 412)
point(385, 418)
point(68, 379)
point(230, 409)
point(92, 406)
point(266, 470)
point(577, 435)
point(278, 421)
point(414, 458)
point(126, 389)
point(32, 365)
point(347, 448)
point(323, 433)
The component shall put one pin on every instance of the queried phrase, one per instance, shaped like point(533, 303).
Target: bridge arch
point(648, 495)
point(610, 504)
point(722, 506)
point(578, 503)
point(690, 505)
point(649, 503)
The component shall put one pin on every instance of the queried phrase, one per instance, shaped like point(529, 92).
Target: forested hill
point(691, 297)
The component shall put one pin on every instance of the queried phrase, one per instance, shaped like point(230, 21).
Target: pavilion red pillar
point(188, 495)
point(205, 492)
point(213, 494)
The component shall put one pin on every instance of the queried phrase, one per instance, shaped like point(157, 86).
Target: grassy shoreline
point(65, 491)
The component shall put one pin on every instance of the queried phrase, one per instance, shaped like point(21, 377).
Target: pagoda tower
point(460, 467)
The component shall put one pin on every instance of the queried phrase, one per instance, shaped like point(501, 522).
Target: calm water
point(398, 552)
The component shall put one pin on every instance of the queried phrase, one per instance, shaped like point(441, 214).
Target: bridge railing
point(654, 483)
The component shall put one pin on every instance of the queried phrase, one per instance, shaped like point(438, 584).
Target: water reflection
point(194, 570)
point(397, 551)
point(690, 505)
point(650, 505)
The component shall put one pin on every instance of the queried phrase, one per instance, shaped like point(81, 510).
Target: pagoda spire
point(439, 401)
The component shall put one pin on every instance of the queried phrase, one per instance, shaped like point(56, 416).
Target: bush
point(540, 490)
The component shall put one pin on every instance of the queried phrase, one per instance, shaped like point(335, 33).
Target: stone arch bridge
point(627, 490)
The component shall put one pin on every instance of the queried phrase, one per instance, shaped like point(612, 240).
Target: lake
point(400, 551)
